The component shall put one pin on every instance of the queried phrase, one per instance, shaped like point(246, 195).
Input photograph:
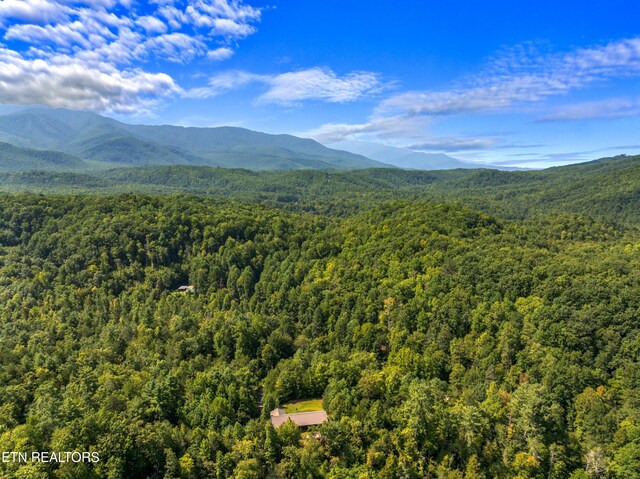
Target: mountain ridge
point(104, 140)
point(405, 158)
point(609, 187)
point(15, 158)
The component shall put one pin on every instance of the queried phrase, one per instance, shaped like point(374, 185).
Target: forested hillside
point(106, 142)
point(13, 158)
point(445, 342)
point(608, 188)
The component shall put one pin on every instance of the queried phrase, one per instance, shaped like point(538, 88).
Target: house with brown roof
point(300, 419)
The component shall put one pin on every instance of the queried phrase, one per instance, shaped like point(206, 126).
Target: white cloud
point(230, 28)
point(291, 88)
point(37, 11)
point(219, 54)
point(152, 24)
point(224, 18)
point(65, 82)
point(320, 84)
point(127, 47)
point(231, 9)
point(176, 47)
point(173, 15)
point(72, 24)
point(110, 39)
point(86, 34)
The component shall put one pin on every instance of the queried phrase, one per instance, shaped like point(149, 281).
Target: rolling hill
point(609, 187)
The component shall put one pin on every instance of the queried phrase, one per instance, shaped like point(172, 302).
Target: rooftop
point(301, 419)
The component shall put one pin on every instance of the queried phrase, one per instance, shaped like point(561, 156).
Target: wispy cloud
point(515, 78)
point(454, 144)
point(91, 55)
point(566, 158)
point(335, 132)
point(386, 128)
point(403, 131)
point(603, 109)
point(523, 75)
point(291, 88)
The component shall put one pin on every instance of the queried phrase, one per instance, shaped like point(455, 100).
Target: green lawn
point(303, 406)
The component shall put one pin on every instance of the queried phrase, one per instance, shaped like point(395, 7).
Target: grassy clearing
point(303, 406)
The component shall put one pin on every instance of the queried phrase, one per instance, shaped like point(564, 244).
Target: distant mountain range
point(77, 141)
point(404, 158)
point(67, 140)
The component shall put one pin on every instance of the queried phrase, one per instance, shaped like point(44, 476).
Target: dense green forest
point(608, 188)
point(494, 337)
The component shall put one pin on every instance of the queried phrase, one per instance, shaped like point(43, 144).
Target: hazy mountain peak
point(104, 140)
point(403, 157)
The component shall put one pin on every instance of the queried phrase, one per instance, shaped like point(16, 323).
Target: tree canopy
point(445, 342)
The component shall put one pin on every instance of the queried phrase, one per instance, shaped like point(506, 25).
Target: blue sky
point(511, 82)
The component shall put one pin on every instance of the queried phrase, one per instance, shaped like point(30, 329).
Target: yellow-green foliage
point(303, 406)
point(443, 341)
